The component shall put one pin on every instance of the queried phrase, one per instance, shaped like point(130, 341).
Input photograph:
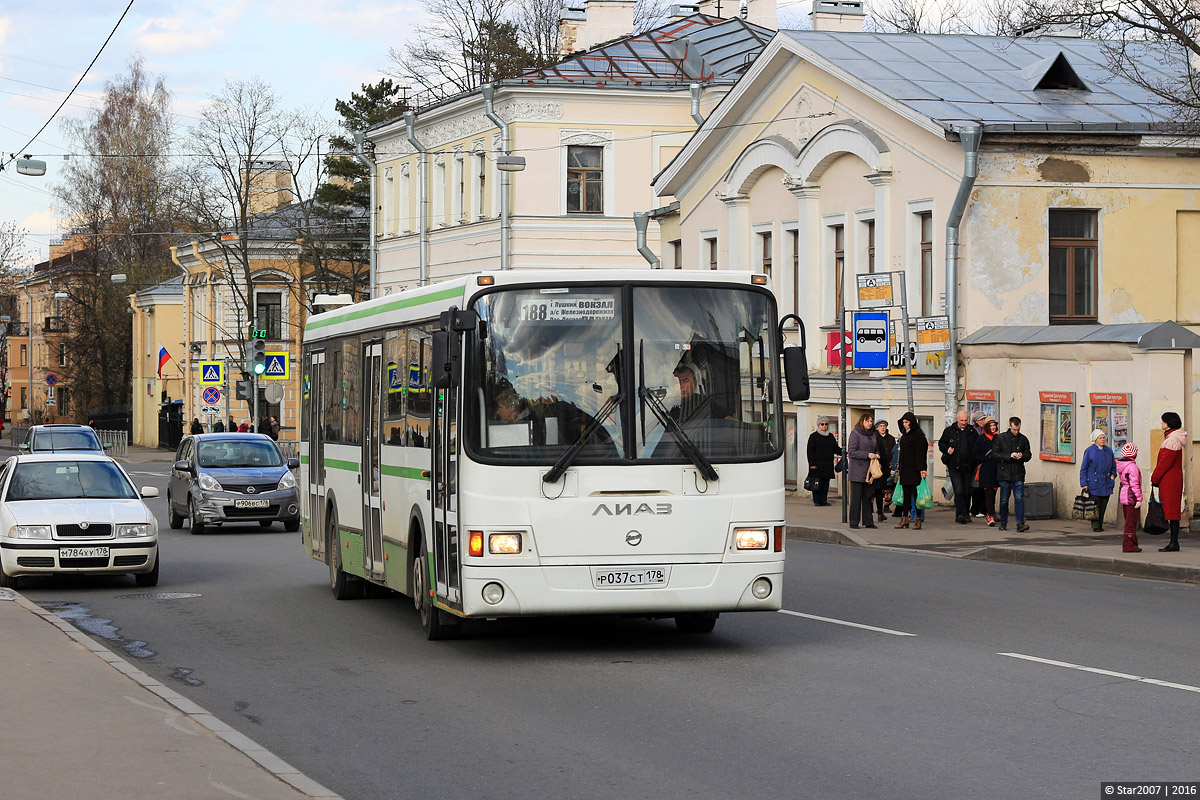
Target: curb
point(1155, 571)
point(252, 750)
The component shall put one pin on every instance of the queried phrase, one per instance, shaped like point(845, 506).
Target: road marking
point(844, 622)
point(148, 474)
point(1108, 672)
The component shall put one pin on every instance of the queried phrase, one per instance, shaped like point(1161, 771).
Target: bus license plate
point(631, 578)
point(263, 503)
point(83, 552)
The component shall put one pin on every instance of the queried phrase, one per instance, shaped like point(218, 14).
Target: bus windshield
point(552, 375)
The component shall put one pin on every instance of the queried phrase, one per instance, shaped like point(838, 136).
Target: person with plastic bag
point(823, 453)
point(914, 448)
point(1011, 451)
point(1168, 476)
point(1097, 474)
point(862, 448)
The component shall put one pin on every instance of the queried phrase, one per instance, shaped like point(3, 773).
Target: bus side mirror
point(795, 363)
point(447, 369)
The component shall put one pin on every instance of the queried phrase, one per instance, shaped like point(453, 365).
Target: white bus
point(532, 443)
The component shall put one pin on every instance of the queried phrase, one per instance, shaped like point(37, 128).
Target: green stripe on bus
point(303, 459)
point(406, 302)
point(337, 464)
point(405, 472)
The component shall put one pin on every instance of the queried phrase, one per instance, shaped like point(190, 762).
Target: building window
point(926, 220)
point(839, 268)
point(24, 357)
point(712, 253)
point(63, 408)
point(1072, 266)
point(62, 355)
point(765, 242)
point(870, 245)
point(268, 308)
point(389, 183)
point(459, 210)
point(24, 397)
point(479, 190)
point(585, 179)
point(677, 253)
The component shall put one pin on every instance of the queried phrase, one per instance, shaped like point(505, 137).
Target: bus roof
point(427, 302)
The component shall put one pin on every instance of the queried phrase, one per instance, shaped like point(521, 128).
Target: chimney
point(725, 9)
point(765, 13)
point(683, 11)
point(837, 15)
point(608, 19)
point(572, 29)
point(270, 186)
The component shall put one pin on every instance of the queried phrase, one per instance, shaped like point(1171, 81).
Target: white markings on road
point(847, 624)
point(1108, 672)
point(148, 474)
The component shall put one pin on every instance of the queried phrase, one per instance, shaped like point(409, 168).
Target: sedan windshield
point(65, 480)
point(54, 441)
point(233, 454)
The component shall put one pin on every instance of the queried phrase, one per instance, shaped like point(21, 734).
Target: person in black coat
point(882, 491)
point(985, 469)
point(823, 452)
point(913, 467)
point(957, 444)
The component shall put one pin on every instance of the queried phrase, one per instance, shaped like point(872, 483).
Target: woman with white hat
point(1097, 473)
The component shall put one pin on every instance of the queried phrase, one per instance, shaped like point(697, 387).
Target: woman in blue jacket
point(1097, 473)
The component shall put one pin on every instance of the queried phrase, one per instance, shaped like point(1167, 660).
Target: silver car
point(76, 513)
point(219, 478)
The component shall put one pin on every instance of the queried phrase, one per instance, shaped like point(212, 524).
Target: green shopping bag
point(924, 497)
point(898, 496)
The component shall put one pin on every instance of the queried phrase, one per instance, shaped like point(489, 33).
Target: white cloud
point(196, 29)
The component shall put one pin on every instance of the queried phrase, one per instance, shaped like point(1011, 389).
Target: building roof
point(695, 48)
point(1143, 335)
point(1047, 84)
point(172, 287)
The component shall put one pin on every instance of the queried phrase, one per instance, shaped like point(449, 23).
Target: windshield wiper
point(685, 442)
point(564, 461)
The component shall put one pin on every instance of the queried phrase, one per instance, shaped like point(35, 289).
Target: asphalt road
point(993, 693)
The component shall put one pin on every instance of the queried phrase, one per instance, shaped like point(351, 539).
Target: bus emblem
point(633, 538)
point(629, 510)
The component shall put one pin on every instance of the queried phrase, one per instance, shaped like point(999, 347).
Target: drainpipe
point(489, 110)
point(410, 120)
point(641, 221)
point(368, 162)
point(696, 90)
point(970, 137)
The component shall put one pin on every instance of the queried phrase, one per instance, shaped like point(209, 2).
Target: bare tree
point(649, 14)
point(921, 16)
point(12, 254)
point(12, 247)
point(537, 24)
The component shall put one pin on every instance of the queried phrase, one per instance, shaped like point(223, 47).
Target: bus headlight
point(504, 543)
point(761, 588)
point(751, 538)
point(493, 593)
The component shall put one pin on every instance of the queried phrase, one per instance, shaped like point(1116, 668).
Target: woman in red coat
point(1168, 475)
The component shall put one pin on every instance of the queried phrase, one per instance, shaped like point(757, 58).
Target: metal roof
point(955, 79)
point(697, 48)
point(1143, 335)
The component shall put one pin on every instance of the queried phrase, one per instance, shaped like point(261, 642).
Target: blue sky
point(312, 52)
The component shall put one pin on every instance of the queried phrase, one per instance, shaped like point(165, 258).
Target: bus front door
point(445, 500)
point(315, 426)
point(372, 421)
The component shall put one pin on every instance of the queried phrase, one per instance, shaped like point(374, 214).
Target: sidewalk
point(80, 721)
point(1057, 543)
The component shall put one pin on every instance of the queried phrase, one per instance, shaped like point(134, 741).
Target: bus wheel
point(434, 621)
point(700, 622)
point(343, 586)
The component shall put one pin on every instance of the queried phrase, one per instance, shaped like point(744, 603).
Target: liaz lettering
point(628, 509)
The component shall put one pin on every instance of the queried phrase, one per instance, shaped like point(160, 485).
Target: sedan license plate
point(83, 552)
point(630, 578)
point(261, 503)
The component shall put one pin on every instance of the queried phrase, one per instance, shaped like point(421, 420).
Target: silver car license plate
point(82, 552)
point(630, 578)
point(258, 503)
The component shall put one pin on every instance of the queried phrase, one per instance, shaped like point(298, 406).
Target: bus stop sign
point(870, 339)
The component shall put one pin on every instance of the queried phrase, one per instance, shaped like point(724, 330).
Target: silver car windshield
point(54, 441)
point(65, 480)
point(233, 454)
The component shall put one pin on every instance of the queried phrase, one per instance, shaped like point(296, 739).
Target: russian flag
point(163, 358)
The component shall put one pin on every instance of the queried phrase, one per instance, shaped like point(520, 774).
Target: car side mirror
point(108, 445)
point(149, 491)
point(182, 466)
point(24, 448)
point(293, 463)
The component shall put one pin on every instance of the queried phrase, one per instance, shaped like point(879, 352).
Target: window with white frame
point(585, 179)
point(406, 220)
point(439, 190)
point(478, 180)
point(458, 212)
point(389, 197)
point(711, 252)
point(676, 253)
point(268, 309)
point(925, 223)
point(835, 242)
point(765, 258)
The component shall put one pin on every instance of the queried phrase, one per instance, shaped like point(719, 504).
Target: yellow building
point(1041, 184)
point(157, 323)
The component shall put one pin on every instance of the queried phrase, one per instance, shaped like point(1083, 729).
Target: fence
point(118, 439)
point(290, 449)
point(19, 434)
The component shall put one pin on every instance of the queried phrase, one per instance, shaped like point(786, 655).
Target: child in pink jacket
point(1130, 478)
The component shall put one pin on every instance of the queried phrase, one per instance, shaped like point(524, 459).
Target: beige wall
point(163, 324)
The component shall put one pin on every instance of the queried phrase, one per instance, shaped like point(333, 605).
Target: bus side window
point(395, 385)
point(333, 393)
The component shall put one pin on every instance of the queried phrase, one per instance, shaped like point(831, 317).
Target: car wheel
point(8, 581)
point(700, 622)
point(291, 525)
point(194, 522)
point(173, 519)
point(343, 586)
point(435, 623)
point(150, 578)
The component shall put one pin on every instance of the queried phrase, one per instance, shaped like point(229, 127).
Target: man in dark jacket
point(883, 492)
point(957, 443)
point(1010, 451)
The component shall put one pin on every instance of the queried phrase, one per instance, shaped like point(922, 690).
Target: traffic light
point(258, 356)
point(243, 390)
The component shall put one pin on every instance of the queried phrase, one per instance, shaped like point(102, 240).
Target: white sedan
point(74, 513)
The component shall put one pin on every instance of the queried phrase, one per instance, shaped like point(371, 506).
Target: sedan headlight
point(751, 538)
point(30, 532)
point(209, 483)
point(288, 481)
point(140, 529)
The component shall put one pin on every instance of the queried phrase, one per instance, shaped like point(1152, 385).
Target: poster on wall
point(984, 401)
point(1110, 413)
point(1058, 426)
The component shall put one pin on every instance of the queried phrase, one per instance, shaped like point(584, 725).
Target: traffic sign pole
point(908, 354)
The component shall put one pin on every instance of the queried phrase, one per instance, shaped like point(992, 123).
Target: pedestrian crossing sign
point(277, 367)
point(212, 373)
